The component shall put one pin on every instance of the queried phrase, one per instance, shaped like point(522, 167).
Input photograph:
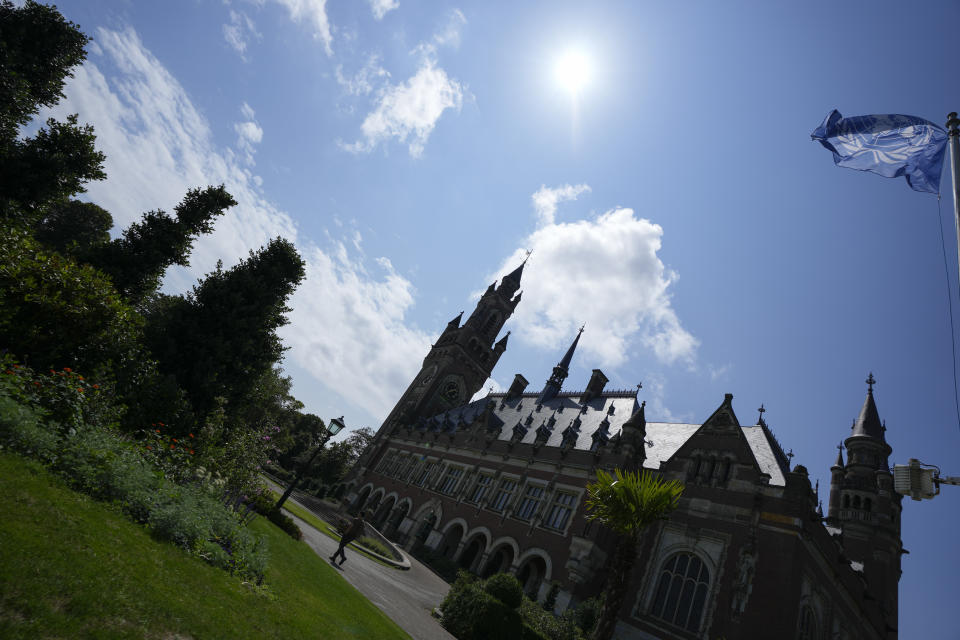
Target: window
point(424, 473)
point(530, 503)
point(450, 480)
point(560, 510)
point(480, 489)
point(504, 493)
point(385, 461)
point(682, 591)
point(808, 624)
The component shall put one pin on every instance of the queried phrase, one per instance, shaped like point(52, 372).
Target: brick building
point(498, 484)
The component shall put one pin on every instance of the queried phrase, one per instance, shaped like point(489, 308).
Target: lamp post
point(336, 426)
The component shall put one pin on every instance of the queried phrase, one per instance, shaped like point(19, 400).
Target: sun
point(572, 70)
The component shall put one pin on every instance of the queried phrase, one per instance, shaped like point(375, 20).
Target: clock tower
point(463, 356)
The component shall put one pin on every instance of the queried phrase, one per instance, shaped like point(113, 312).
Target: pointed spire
point(502, 343)
point(511, 281)
point(560, 372)
point(568, 356)
point(455, 323)
point(839, 462)
point(868, 423)
point(760, 419)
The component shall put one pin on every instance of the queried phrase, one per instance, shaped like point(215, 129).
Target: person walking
point(352, 532)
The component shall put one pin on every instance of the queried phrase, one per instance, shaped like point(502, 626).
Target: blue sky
point(675, 203)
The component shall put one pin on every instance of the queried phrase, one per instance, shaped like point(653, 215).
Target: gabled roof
point(604, 416)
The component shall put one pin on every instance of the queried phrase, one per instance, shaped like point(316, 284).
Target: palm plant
point(626, 503)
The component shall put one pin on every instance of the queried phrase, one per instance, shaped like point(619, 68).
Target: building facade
point(499, 484)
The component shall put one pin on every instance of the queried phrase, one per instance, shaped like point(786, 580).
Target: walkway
point(407, 597)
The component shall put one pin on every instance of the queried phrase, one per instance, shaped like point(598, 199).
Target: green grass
point(326, 529)
point(71, 567)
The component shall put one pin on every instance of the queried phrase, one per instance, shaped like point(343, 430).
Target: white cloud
point(410, 111)
point(239, 31)
point(545, 200)
point(348, 322)
point(450, 34)
point(314, 12)
point(605, 273)
point(348, 328)
point(249, 133)
point(362, 83)
point(382, 7)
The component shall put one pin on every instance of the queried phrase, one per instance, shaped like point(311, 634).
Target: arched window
point(808, 624)
point(856, 502)
point(846, 502)
point(682, 591)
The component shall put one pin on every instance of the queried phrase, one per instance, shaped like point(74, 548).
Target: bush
point(471, 612)
point(108, 467)
point(374, 545)
point(547, 625)
point(264, 504)
point(505, 588)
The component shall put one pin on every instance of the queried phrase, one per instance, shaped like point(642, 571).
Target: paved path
point(407, 597)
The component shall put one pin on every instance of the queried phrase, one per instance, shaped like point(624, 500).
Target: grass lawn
point(71, 567)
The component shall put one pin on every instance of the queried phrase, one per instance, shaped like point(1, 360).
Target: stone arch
point(453, 533)
point(373, 502)
point(362, 496)
point(379, 517)
point(501, 557)
point(685, 569)
point(534, 569)
point(398, 514)
point(476, 542)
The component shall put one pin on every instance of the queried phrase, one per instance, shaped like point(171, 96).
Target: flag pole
point(953, 135)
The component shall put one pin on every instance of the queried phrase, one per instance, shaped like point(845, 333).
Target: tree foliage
point(137, 261)
point(219, 340)
point(74, 228)
point(627, 503)
point(38, 49)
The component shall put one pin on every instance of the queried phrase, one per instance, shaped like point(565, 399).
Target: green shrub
point(547, 625)
point(374, 545)
point(265, 505)
point(108, 467)
point(587, 613)
point(505, 588)
point(470, 612)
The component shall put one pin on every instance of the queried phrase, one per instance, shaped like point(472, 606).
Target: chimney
point(595, 387)
point(519, 384)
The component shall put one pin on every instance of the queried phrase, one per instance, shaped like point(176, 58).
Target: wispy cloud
point(314, 14)
point(409, 111)
point(363, 81)
point(545, 200)
point(604, 272)
point(239, 31)
point(249, 133)
point(348, 326)
point(382, 7)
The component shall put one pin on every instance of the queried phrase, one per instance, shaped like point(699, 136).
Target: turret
point(560, 372)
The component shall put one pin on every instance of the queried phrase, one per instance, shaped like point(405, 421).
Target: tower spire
point(560, 372)
point(868, 422)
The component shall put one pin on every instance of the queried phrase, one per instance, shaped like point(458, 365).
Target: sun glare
point(573, 71)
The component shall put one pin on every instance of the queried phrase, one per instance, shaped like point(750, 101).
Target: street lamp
point(336, 426)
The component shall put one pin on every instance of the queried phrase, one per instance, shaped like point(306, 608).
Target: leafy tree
point(74, 228)
point(38, 49)
point(627, 504)
point(56, 313)
point(137, 261)
point(221, 339)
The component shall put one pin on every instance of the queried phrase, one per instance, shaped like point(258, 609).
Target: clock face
point(451, 391)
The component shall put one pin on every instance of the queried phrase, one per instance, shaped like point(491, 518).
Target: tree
point(627, 504)
point(38, 50)
point(137, 261)
point(74, 228)
point(221, 339)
